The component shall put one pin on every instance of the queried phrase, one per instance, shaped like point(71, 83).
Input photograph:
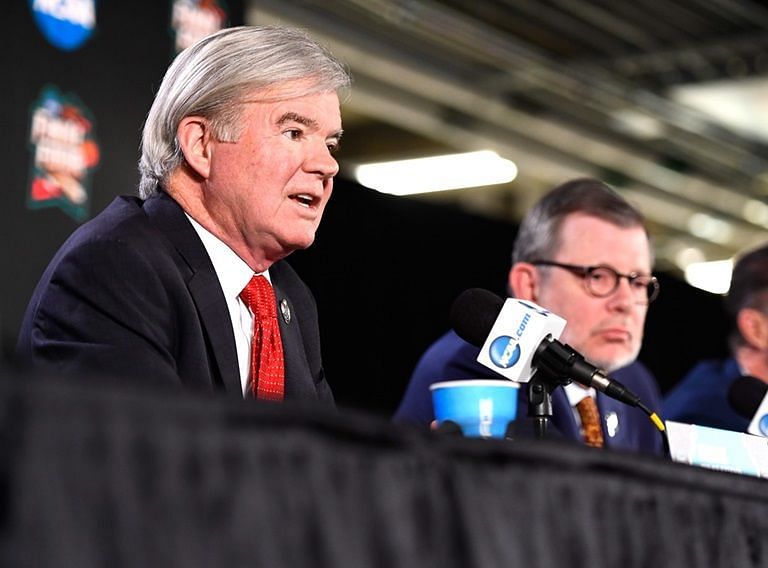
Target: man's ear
point(194, 135)
point(523, 281)
point(753, 326)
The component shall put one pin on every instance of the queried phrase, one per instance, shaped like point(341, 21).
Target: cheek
point(638, 319)
point(576, 315)
point(327, 192)
point(575, 332)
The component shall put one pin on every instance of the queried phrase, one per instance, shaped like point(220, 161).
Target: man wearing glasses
point(583, 253)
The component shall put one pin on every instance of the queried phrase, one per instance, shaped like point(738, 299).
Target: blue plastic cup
point(481, 408)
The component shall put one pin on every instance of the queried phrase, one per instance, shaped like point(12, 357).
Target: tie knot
point(259, 297)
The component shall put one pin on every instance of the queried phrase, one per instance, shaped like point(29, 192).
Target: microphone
point(518, 338)
point(748, 396)
point(745, 395)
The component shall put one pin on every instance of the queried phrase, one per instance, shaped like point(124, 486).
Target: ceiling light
point(707, 227)
point(687, 256)
point(738, 104)
point(437, 173)
point(756, 212)
point(637, 123)
point(712, 276)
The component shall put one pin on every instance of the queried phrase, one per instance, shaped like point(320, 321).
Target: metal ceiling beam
point(401, 90)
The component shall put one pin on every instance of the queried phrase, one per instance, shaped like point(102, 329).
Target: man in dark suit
point(237, 166)
point(583, 253)
point(701, 397)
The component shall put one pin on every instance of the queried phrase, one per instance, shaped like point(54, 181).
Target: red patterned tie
point(267, 376)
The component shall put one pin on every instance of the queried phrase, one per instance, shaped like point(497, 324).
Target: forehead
point(585, 239)
point(284, 90)
point(316, 109)
point(288, 90)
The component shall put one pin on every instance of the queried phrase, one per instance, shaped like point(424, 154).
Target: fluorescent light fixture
point(687, 256)
point(756, 212)
point(438, 173)
point(738, 104)
point(638, 124)
point(712, 276)
point(710, 228)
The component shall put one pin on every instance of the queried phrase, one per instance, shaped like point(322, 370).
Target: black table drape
point(105, 476)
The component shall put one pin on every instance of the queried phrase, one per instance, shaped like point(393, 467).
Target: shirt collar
point(576, 393)
point(232, 271)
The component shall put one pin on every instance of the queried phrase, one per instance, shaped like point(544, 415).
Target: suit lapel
point(214, 317)
point(298, 376)
point(203, 286)
point(613, 415)
point(562, 415)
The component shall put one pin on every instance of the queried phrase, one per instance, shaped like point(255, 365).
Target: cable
point(659, 423)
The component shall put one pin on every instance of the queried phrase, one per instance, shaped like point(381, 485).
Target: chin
point(615, 363)
point(306, 243)
point(299, 242)
point(611, 360)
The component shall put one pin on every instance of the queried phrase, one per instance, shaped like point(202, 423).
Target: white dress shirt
point(233, 274)
point(576, 393)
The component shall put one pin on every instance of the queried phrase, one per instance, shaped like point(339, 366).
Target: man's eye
point(333, 147)
point(293, 133)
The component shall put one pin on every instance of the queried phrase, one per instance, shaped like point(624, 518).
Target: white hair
point(211, 78)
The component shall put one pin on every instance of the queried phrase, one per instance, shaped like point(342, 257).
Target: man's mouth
point(615, 334)
point(304, 199)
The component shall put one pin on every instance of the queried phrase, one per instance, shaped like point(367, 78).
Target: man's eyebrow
point(296, 117)
point(306, 121)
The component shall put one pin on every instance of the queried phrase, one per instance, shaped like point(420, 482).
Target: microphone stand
point(554, 363)
point(540, 390)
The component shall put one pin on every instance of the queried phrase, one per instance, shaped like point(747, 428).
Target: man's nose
point(322, 162)
point(623, 297)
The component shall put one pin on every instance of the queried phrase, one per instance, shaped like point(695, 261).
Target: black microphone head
point(746, 394)
point(473, 314)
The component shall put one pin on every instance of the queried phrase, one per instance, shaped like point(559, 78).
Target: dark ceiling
point(563, 88)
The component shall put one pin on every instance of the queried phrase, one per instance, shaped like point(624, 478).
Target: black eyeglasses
point(602, 281)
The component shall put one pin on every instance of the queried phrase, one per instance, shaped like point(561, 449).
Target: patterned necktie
point(590, 422)
point(267, 375)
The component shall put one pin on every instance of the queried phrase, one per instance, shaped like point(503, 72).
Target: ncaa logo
point(504, 352)
point(763, 424)
point(66, 24)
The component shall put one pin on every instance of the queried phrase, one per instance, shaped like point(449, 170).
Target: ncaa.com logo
point(762, 424)
point(504, 352)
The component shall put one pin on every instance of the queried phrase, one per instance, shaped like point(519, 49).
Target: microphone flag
point(515, 336)
point(759, 423)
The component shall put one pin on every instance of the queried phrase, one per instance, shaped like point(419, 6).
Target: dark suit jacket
point(133, 294)
point(624, 427)
point(702, 397)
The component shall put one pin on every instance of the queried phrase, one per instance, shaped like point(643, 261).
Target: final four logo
point(192, 20)
point(66, 24)
point(64, 154)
